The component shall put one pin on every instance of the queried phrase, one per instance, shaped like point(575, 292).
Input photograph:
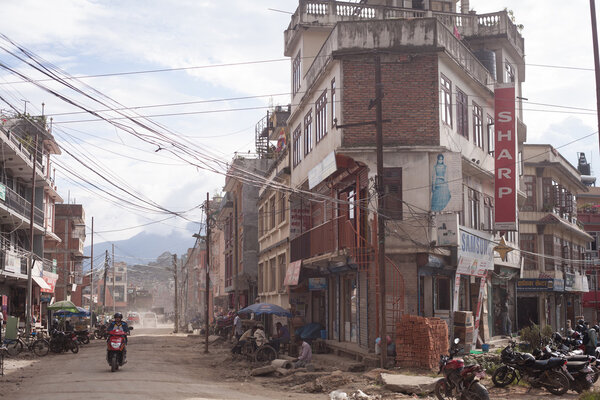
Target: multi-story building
point(218, 299)
point(193, 279)
point(238, 217)
point(552, 241)
point(26, 144)
point(438, 72)
point(68, 253)
point(273, 213)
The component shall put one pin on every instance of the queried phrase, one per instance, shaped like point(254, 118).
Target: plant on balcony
point(511, 15)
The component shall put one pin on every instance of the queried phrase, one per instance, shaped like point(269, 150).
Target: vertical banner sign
point(505, 156)
point(478, 311)
point(456, 292)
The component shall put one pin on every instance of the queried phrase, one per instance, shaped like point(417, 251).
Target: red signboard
point(50, 279)
point(505, 155)
point(292, 275)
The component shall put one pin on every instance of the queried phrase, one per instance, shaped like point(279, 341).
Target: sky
point(104, 37)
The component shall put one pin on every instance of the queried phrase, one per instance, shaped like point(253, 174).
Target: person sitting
point(237, 349)
point(283, 336)
point(305, 356)
point(259, 335)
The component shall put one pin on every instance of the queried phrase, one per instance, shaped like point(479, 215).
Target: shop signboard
point(292, 275)
point(569, 282)
point(505, 157)
point(447, 229)
point(475, 252)
point(13, 262)
point(322, 170)
point(2, 192)
point(446, 182)
point(50, 278)
point(540, 285)
point(317, 283)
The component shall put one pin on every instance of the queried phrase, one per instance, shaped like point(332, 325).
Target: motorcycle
point(116, 348)
point(83, 337)
point(579, 370)
point(63, 341)
point(100, 332)
point(551, 374)
point(459, 381)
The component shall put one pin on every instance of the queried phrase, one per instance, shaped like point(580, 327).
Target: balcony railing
point(18, 204)
point(331, 236)
point(331, 12)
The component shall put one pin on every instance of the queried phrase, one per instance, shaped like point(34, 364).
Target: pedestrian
point(1, 326)
point(237, 324)
point(305, 356)
point(592, 342)
point(259, 335)
point(283, 336)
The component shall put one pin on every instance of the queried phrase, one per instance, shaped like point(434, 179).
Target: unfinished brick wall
point(420, 341)
point(411, 102)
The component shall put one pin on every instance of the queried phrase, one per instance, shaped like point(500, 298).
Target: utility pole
point(380, 218)
point(206, 284)
point(92, 276)
point(29, 303)
point(597, 69)
point(104, 286)
point(113, 276)
point(176, 322)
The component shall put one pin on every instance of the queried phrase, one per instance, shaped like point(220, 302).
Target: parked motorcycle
point(459, 381)
point(580, 372)
point(116, 348)
point(83, 337)
point(550, 374)
point(63, 341)
point(100, 331)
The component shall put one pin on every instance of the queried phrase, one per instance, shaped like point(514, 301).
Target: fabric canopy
point(41, 282)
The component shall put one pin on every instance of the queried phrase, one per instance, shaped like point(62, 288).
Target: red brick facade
point(411, 100)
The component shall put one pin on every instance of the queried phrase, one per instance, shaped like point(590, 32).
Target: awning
point(41, 282)
point(292, 275)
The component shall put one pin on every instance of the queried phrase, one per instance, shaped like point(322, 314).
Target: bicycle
point(260, 354)
point(38, 346)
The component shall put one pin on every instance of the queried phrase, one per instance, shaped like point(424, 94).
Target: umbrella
point(81, 312)
point(266, 308)
point(64, 305)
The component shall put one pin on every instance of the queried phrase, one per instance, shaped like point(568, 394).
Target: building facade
point(552, 241)
point(438, 73)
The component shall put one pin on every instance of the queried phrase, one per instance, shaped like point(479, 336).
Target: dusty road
point(164, 366)
point(160, 366)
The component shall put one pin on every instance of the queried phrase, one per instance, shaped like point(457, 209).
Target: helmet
point(55, 321)
point(557, 337)
point(581, 322)
point(118, 315)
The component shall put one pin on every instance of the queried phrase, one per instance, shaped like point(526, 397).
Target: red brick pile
point(420, 341)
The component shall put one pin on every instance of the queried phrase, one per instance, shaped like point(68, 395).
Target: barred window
point(321, 116)
point(446, 97)
point(297, 144)
point(308, 134)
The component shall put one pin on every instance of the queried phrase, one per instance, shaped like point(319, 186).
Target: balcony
point(328, 13)
point(21, 206)
point(329, 237)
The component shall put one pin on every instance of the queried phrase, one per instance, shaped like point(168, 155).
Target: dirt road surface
point(160, 366)
point(166, 366)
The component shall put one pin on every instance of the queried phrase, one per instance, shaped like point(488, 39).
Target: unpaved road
point(164, 366)
point(160, 366)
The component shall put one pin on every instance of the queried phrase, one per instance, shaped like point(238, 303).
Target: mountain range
point(141, 248)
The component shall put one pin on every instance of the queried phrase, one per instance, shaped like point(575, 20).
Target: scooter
point(116, 348)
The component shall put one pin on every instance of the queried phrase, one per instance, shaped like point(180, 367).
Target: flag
point(456, 32)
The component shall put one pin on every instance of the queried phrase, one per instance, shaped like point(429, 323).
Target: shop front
point(541, 301)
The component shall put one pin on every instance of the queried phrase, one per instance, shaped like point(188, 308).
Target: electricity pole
point(236, 246)
point(597, 69)
point(29, 302)
point(380, 217)
point(176, 322)
point(92, 276)
point(206, 284)
point(104, 286)
point(113, 276)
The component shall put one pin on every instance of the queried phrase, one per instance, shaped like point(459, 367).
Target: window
point(282, 270)
point(351, 200)
point(530, 202)
point(488, 213)
point(392, 187)
point(261, 228)
point(474, 218)
point(491, 137)
point(261, 278)
point(282, 207)
point(528, 245)
point(333, 100)
point(462, 114)
point(297, 144)
point(477, 125)
point(272, 212)
point(548, 194)
point(446, 96)
point(296, 73)
point(510, 71)
point(321, 116)
point(308, 138)
point(272, 274)
point(549, 251)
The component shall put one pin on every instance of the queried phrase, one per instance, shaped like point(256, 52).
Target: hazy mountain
point(143, 248)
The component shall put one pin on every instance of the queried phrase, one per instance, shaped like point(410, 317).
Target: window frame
point(321, 116)
point(333, 105)
point(446, 99)
point(297, 73)
point(477, 125)
point(462, 113)
point(308, 133)
point(297, 146)
point(491, 134)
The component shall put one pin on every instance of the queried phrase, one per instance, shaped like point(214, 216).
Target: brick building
point(438, 72)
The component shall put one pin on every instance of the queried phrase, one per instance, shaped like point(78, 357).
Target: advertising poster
point(446, 182)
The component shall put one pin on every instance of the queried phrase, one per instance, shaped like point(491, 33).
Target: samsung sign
point(475, 252)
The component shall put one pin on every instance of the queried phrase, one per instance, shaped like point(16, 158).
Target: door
point(528, 311)
point(350, 309)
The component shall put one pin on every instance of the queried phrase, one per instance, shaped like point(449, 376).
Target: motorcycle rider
point(117, 324)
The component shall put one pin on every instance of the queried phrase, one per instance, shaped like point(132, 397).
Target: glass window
point(530, 201)
point(333, 103)
point(478, 125)
point(296, 73)
point(297, 145)
point(446, 97)
point(527, 244)
point(462, 114)
point(510, 71)
point(321, 116)
point(308, 134)
point(491, 137)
